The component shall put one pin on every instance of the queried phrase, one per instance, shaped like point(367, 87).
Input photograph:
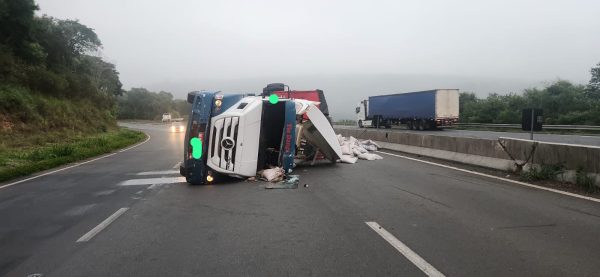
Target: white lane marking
point(177, 165)
point(405, 250)
point(554, 143)
point(71, 166)
point(154, 186)
point(497, 178)
point(164, 172)
point(89, 235)
point(152, 181)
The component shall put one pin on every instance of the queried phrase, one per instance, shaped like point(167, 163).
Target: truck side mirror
point(357, 109)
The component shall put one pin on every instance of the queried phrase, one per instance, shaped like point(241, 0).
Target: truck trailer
point(421, 110)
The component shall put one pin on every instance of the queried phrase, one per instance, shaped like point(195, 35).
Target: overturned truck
point(238, 135)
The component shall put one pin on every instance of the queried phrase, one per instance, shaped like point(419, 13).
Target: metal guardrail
point(518, 126)
point(509, 126)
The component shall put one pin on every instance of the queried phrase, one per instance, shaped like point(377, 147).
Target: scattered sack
point(346, 149)
point(369, 157)
point(349, 159)
point(275, 174)
point(353, 149)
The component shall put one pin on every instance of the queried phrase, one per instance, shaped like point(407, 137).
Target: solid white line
point(89, 235)
point(71, 166)
point(554, 143)
point(496, 177)
point(405, 250)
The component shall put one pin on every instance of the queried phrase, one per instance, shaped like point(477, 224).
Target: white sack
point(348, 159)
point(346, 149)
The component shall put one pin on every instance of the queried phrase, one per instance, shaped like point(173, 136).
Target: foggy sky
point(350, 49)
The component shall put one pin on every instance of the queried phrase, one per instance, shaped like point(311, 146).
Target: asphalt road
point(459, 223)
point(555, 138)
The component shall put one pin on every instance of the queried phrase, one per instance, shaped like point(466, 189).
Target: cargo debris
point(353, 149)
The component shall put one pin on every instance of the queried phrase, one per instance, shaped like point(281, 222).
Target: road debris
point(291, 182)
point(353, 149)
point(274, 174)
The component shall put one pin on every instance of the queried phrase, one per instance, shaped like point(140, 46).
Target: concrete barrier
point(504, 153)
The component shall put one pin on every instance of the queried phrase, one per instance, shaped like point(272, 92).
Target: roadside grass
point(585, 182)
point(544, 172)
point(24, 155)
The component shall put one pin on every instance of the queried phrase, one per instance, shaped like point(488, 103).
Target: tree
point(65, 41)
point(593, 87)
point(16, 20)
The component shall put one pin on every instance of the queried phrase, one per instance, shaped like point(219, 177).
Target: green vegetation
point(542, 173)
point(57, 96)
point(139, 103)
point(562, 101)
point(586, 182)
point(18, 160)
point(48, 78)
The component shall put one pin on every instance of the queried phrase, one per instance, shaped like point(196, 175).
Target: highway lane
point(461, 224)
point(555, 138)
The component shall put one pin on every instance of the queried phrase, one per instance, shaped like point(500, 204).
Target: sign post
point(532, 120)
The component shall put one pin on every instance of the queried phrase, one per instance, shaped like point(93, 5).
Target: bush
point(585, 181)
point(543, 172)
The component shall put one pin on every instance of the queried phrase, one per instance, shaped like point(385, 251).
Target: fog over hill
point(343, 92)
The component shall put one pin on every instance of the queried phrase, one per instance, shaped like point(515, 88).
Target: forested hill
point(51, 78)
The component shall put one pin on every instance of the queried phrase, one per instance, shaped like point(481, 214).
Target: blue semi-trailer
point(421, 110)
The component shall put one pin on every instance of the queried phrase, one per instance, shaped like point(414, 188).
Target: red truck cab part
point(316, 95)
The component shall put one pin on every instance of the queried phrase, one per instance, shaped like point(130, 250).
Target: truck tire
point(360, 125)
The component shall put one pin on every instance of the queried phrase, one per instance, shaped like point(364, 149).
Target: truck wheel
point(421, 125)
point(360, 125)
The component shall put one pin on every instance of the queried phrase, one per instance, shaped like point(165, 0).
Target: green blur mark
point(274, 98)
point(196, 148)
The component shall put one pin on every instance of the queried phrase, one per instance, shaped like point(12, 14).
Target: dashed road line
point(496, 177)
point(405, 250)
point(89, 235)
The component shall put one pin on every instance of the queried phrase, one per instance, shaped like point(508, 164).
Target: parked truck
point(421, 110)
point(238, 135)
